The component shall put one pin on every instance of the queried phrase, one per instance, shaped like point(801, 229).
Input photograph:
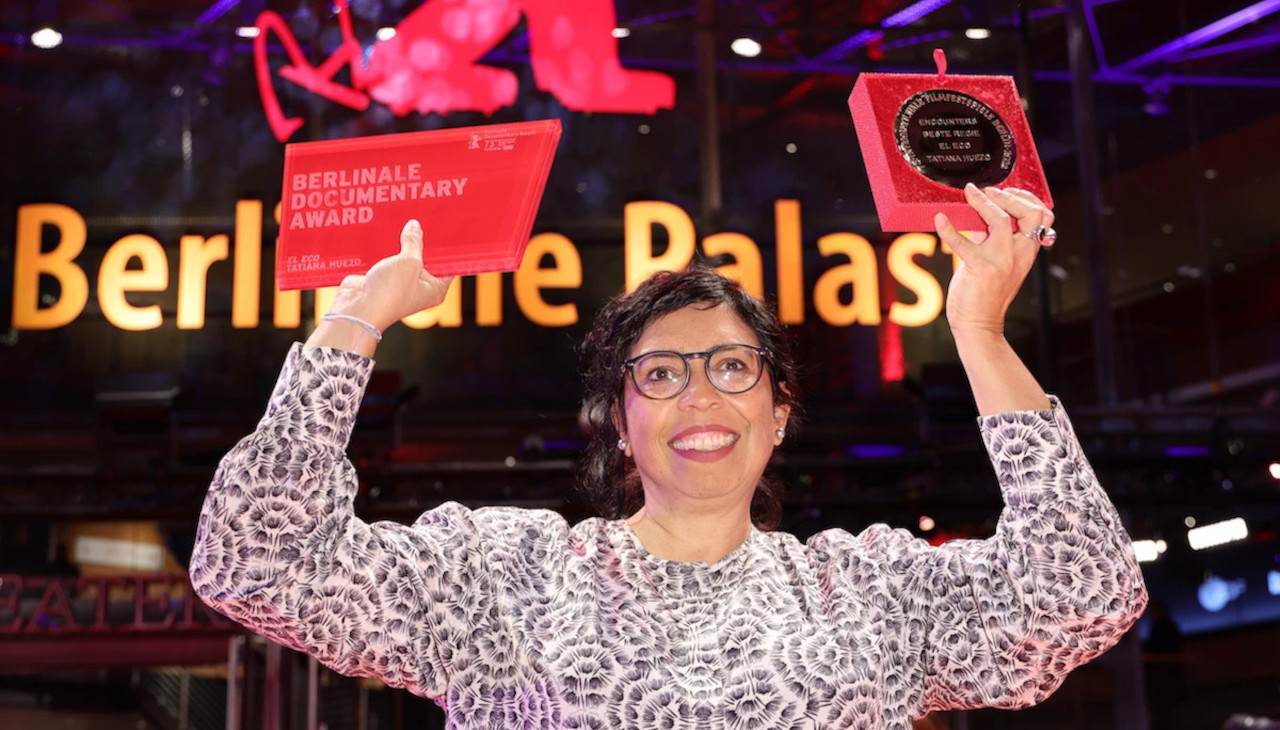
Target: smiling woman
point(679, 607)
point(665, 313)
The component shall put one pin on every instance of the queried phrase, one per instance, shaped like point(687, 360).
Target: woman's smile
point(704, 443)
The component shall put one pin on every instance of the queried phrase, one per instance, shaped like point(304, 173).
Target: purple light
point(1092, 19)
point(912, 13)
point(1060, 9)
point(876, 451)
point(849, 45)
point(916, 40)
point(563, 445)
point(812, 66)
point(215, 11)
point(1186, 452)
point(907, 15)
point(1241, 45)
point(1112, 76)
point(1216, 29)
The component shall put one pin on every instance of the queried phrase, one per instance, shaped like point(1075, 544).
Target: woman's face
point(702, 444)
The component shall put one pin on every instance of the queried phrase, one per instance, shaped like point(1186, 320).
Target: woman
point(683, 614)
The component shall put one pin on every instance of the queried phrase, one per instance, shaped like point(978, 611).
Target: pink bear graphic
point(430, 65)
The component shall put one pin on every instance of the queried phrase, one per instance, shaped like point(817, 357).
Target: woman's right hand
point(395, 287)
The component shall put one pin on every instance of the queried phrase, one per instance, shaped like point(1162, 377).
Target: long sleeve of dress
point(280, 550)
point(1001, 622)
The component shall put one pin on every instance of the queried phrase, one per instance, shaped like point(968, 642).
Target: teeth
point(705, 441)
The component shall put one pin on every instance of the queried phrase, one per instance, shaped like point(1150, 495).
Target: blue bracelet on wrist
point(374, 332)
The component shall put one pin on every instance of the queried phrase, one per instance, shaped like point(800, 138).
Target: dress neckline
point(633, 540)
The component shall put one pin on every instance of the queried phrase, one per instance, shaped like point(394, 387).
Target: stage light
point(1189, 521)
point(1148, 551)
point(1157, 103)
point(977, 34)
point(386, 34)
point(1219, 533)
point(621, 32)
point(1274, 470)
point(791, 148)
point(247, 31)
point(927, 523)
point(643, 129)
point(1273, 582)
point(1215, 593)
point(46, 38)
point(746, 47)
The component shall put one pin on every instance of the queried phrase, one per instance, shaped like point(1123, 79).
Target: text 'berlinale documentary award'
point(475, 190)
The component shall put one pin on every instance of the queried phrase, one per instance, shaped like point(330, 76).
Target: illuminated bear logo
point(430, 65)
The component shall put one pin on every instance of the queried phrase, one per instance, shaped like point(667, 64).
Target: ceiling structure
point(809, 49)
point(1168, 76)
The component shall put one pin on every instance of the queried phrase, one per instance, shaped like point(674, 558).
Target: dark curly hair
point(605, 476)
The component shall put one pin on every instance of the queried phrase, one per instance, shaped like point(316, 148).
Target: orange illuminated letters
point(846, 293)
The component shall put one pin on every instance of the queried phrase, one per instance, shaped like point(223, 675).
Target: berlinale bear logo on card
point(431, 64)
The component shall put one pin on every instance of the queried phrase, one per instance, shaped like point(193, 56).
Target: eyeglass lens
point(730, 368)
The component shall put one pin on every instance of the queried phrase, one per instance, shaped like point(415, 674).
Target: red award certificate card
point(924, 136)
point(474, 189)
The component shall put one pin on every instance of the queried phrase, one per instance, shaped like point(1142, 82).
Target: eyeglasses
point(730, 368)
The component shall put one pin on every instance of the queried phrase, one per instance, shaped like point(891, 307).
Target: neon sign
point(432, 62)
point(846, 293)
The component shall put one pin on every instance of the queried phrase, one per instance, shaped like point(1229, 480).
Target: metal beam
point(1097, 37)
point(709, 117)
point(906, 16)
point(1084, 122)
point(1197, 38)
point(1266, 40)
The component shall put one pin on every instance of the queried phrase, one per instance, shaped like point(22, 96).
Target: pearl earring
point(622, 444)
point(781, 433)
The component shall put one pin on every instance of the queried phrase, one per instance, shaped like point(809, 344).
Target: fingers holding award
point(925, 137)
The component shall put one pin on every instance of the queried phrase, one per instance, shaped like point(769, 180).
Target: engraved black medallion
point(954, 139)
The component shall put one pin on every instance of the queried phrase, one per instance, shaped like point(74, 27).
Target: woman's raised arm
point(279, 547)
point(393, 289)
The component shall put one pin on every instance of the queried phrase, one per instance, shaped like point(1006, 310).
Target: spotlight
point(247, 31)
point(1274, 470)
point(1219, 533)
point(621, 32)
point(46, 38)
point(927, 523)
point(977, 34)
point(746, 47)
point(1148, 551)
point(386, 34)
point(1215, 593)
point(791, 148)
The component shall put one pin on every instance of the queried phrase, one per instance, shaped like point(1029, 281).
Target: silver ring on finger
point(1043, 235)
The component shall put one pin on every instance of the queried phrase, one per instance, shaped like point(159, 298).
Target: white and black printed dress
point(511, 618)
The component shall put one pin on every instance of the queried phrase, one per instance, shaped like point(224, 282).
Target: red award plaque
point(474, 189)
point(924, 136)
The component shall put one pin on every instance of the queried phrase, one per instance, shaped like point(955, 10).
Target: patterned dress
point(511, 618)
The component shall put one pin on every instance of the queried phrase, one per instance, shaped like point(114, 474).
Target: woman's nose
point(700, 391)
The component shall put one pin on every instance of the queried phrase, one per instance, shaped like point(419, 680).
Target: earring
point(781, 433)
point(622, 444)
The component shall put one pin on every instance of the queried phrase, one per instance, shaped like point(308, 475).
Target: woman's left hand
point(995, 263)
